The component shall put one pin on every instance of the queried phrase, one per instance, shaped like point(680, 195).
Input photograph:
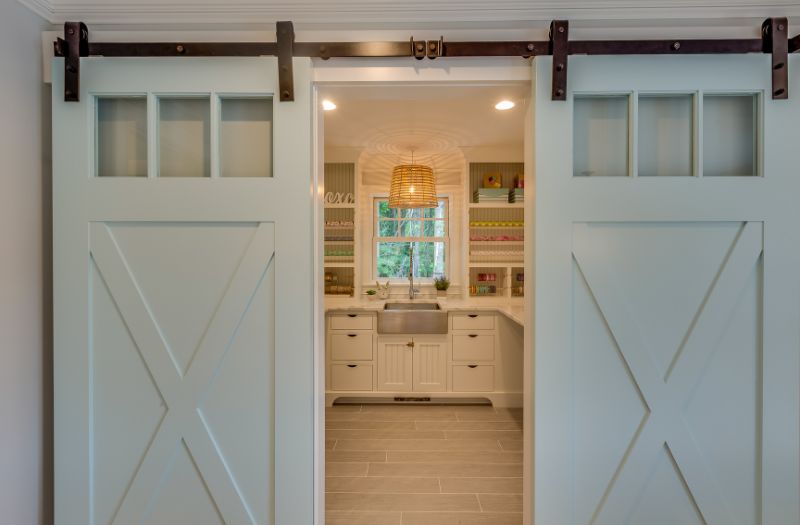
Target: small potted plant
point(442, 283)
point(383, 290)
point(371, 294)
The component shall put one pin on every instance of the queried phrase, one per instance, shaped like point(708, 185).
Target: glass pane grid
point(398, 230)
point(667, 127)
point(182, 136)
point(393, 259)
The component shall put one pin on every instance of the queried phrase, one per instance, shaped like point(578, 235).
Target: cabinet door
point(430, 363)
point(394, 364)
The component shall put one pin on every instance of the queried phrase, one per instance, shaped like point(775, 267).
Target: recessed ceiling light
point(504, 105)
point(327, 105)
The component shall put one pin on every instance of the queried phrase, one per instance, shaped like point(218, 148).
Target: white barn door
point(667, 300)
point(183, 294)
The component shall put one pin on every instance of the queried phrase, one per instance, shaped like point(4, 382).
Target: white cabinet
point(473, 321)
point(473, 378)
point(352, 321)
point(351, 345)
point(471, 358)
point(413, 363)
point(351, 377)
point(475, 353)
point(430, 363)
point(473, 347)
point(351, 352)
point(395, 359)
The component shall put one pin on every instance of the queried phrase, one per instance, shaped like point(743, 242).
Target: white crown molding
point(355, 13)
point(43, 8)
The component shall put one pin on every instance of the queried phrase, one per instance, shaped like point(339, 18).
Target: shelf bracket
point(559, 48)
point(285, 55)
point(775, 38)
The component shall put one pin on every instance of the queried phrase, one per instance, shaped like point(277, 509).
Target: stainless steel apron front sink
point(412, 318)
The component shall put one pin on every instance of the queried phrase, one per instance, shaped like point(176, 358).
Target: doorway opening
point(424, 332)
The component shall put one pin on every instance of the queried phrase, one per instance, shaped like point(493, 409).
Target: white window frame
point(376, 239)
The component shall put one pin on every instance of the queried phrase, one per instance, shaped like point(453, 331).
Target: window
point(397, 230)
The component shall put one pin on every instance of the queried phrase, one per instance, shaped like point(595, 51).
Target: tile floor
point(423, 465)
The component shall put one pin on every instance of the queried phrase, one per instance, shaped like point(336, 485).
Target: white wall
point(25, 318)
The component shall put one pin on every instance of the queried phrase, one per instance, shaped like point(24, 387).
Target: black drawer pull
point(351, 366)
point(473, 335)
point(352, 315)
point(351, 335)
point(472, 315)
point(472, 366)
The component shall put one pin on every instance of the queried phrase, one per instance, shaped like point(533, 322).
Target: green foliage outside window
point(399, 229)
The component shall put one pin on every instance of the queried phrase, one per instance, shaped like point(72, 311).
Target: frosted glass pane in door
point(121, 137)
point(665, 135)
point(246, 137)
point(600, 136)
point(730, 135)
point(184, 131)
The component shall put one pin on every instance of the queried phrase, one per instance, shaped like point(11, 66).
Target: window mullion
point(403, 224)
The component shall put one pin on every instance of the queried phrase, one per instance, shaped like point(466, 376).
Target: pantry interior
point(424, 417)
point(472, 139)
point(476, 152)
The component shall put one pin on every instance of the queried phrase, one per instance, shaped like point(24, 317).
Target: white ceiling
point(417, 13)
point(442, 125)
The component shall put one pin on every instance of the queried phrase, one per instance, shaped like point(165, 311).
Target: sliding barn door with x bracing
point(183, 294)
point(667, 268)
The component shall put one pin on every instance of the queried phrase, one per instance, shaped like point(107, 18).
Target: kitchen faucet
point(411, 290)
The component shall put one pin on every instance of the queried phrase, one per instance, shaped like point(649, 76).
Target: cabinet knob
point(410, 344)
point(473, 335)
point(352, 315)
point(352, 335)
point(472, 315)
point(351, 366)
point(472, 366)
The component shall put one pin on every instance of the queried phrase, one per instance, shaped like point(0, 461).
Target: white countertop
point(514, 310)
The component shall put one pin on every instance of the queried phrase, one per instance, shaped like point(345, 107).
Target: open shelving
point(496, 242)
point(340, 229)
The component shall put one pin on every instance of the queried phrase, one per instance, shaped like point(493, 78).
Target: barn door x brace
point(774, 40)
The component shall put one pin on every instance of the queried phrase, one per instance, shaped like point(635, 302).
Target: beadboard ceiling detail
point(417, 13)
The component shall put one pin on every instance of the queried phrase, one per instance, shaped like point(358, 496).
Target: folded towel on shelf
point(490, 195)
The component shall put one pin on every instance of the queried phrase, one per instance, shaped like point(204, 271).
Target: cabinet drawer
point(361, 321)
point(473, 378)
point(473, 347)
point(351, 377)
point(473, 321)
point(351, 346)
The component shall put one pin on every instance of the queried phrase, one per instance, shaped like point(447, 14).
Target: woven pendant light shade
point(413, 186)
